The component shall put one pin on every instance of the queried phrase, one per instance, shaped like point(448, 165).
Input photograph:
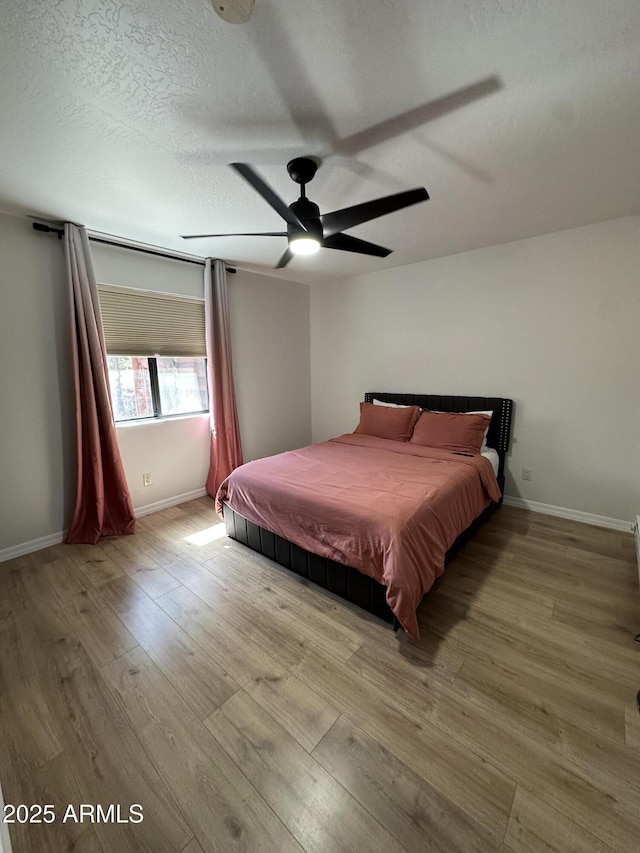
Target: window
point(157, 387)
point(182, 385)
point(167, 372)
point(130, 383)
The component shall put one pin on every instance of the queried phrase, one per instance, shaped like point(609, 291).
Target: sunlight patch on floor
point(209, 534)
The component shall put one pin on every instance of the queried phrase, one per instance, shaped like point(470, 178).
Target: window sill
point(163, 420)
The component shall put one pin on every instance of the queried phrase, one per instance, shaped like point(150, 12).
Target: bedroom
point(519, 278)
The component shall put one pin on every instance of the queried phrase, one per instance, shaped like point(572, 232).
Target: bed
point(386, 577)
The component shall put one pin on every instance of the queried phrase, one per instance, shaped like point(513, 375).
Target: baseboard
point(29, 547)
point(571, 514)
point(56, 538)
point(167, 502)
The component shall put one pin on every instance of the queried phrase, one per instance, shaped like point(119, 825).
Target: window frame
point(156, 401)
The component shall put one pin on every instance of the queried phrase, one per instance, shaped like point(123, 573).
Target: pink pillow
point(383, 422)
point(451, 431)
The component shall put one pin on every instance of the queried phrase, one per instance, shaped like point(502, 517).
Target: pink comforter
point(390, 509)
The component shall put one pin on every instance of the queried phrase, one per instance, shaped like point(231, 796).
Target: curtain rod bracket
point(38, 226)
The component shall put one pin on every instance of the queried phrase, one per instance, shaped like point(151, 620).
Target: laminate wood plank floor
point(247, 710)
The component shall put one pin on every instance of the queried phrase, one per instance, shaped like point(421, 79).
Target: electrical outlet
point(146, 479)
point(527, 473)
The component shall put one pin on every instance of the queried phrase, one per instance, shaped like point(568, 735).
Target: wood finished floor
point(247, 710)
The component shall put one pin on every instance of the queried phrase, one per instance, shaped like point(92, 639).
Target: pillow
point(390, 405)
point(462, 432)
point(490, 413)
point(387, 422)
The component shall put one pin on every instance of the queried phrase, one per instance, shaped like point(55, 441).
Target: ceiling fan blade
point(284, 260)
point(392, 127)
point(341, 220)
point(252, 234)
point(352, 244)
point(267, 194)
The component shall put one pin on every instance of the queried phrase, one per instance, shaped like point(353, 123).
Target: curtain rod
point(39, 226)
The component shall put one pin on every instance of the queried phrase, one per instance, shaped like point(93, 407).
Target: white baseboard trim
point(56, 538)
point(167, 502)
point(571, 514)
point(34, 545)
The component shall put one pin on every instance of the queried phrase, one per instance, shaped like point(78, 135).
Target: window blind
point(142, 322)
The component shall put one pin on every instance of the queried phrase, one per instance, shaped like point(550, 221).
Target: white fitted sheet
point(493, 457)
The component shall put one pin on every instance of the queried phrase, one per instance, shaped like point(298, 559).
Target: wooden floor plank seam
point(346, 794)
point(162, 771)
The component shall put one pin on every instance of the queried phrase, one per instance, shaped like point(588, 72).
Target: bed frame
point(346, 581)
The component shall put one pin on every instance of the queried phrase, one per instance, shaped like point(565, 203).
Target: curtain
point(226, 448)
point(103, 504)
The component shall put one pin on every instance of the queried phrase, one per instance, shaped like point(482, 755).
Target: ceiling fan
point(308, 229)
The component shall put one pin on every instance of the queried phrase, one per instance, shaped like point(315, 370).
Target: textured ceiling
point(520, 117)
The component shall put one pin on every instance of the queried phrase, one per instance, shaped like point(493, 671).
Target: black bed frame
point(346, 581)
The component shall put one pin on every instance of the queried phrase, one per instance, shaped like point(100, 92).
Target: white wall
point(271, 362)
point(270, 340)
point(36, 417)
point(553, 322)
point(127, 268)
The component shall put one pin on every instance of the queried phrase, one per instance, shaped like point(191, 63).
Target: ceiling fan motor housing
point(309, 214)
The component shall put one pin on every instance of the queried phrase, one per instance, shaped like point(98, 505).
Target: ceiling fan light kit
point(233, 11)
point(304, 245)
point(307, 229)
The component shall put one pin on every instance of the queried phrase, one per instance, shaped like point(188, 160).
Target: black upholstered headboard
point(499, 433)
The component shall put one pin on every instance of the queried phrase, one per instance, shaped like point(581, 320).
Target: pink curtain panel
point(226, 447)
point(103, 504)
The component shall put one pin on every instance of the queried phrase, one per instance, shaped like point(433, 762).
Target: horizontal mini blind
point(141, 322)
